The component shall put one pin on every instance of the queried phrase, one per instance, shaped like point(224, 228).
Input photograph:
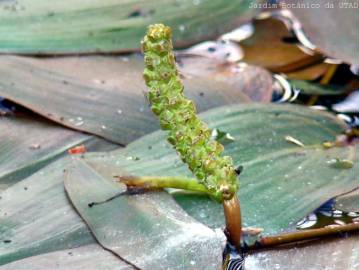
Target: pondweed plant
point(191, 138)
point(214, 173)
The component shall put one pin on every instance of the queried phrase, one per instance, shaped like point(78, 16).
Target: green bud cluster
point(186, 132)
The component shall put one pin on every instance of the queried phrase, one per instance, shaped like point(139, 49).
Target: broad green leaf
point(348, 202)
point(333, 254)
point(36, 217)
point(89, 257)
point(281, 181)
point(332, 26)
point(105, 95)
point(149, 230)
point(77, 26)
point(29, 143)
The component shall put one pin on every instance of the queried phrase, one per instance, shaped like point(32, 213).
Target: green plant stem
point(159, 182)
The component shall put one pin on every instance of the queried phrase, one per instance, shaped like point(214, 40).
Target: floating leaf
point(338, 38)
point(28, 144)
point(149, 230)
point(253, 81)
point(289, 181)
point(89, 257)
point(36, 217)
point(101, 95)
point(37, 27)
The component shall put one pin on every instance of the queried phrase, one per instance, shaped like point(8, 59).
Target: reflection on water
point(232, 260)
point(327, 215)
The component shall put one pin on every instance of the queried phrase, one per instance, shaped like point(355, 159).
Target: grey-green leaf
point(105, 95)
point(36, 217)
point(89, 257)
point(339, 37)
point(149, 230)
point(77, 26)
point(30, 143)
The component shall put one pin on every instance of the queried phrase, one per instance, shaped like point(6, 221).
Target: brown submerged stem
point(232, 213)
point(286, 238)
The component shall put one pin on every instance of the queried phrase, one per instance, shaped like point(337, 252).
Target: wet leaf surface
point(333, 30)
point(40, 27)
point(89, 257)
point(149, 230)
point(28, 143)
point(104, 95)
point(333, 254)
point(289, 181)
point(253, 81)
point(36, 217)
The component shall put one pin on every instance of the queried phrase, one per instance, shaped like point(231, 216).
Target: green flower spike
point(186, 132)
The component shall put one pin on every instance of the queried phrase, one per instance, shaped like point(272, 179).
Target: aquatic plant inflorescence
point(186, 132)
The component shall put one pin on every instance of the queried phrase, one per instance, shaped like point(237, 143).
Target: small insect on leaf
point(80, 149)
